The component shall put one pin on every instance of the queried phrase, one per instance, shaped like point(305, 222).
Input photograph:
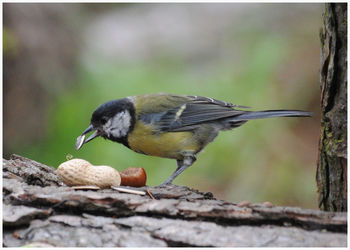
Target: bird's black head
point(112, 120)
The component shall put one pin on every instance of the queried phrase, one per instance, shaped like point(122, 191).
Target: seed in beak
point(79, 142)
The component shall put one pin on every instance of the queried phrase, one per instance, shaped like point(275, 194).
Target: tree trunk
point(331, 173)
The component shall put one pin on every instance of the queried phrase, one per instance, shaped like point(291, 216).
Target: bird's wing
point(207, 100)
point(189, 115)
point(181, 113)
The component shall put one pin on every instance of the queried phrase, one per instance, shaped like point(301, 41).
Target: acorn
point(133, 177)
point(79, 172)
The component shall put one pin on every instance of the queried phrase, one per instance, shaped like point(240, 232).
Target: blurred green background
point(61, 61)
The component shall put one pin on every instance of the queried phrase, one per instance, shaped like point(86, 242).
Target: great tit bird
point(170, 126)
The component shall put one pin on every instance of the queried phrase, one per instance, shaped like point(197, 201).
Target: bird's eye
point(103, 120)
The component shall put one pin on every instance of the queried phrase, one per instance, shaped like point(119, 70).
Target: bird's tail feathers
point(238, 120)
point(250, 115)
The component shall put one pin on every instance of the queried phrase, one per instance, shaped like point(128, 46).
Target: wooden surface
point(38, 210)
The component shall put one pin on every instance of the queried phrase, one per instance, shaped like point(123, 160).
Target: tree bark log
point(38, 210)
point(331, 173)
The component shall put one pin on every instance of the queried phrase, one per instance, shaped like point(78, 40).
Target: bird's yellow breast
point(163, 144)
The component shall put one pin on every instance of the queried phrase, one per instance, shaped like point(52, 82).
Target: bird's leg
point(181, 166)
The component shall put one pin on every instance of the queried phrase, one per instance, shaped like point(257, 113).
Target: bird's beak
point(81, 139)
point(91, 137)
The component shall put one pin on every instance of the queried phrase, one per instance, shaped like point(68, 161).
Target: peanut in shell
point(79, 172)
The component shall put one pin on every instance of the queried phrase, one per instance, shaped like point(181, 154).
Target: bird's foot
point(167, 182)
point(164, 184)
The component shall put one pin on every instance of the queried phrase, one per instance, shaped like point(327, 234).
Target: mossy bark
point(331, 173)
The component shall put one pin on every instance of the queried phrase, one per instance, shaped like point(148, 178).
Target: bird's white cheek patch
point(119, 125)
